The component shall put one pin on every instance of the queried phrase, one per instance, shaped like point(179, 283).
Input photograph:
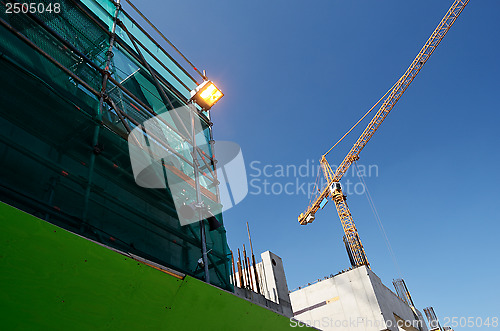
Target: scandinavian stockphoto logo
point(162, 157)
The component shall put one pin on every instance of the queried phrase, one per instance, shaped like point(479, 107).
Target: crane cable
point(362, 118)
point(379, 221)
point(316, 186)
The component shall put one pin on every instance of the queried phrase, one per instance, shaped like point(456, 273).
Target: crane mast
point(333, 189)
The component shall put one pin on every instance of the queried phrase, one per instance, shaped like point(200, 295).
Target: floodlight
point(206, 95)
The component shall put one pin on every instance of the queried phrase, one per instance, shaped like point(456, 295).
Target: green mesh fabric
point(48, 123)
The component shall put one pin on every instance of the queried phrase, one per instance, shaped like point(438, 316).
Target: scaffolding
point(74, 84)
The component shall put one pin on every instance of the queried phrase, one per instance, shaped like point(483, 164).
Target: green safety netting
point(49, 123)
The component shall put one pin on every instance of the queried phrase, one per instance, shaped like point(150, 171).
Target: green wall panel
point(53, 279)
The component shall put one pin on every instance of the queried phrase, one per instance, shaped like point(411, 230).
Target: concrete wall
point(353, 300)
point(390, 305)
point(344, 302)
point(272, 284)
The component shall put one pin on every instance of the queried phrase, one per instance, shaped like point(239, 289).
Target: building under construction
point(70, 89)
point(356, 299)
point(77, 77)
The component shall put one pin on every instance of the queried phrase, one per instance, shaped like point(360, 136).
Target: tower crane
point(333, 189)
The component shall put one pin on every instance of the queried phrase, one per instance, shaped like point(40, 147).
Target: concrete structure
point(273, 287)
point(354, 300)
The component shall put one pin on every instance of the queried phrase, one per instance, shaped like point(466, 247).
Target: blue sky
point(297, 74)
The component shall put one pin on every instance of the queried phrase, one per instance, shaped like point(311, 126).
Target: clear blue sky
point(297, 74)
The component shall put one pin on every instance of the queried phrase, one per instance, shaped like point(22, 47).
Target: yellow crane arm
point(394, 95)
